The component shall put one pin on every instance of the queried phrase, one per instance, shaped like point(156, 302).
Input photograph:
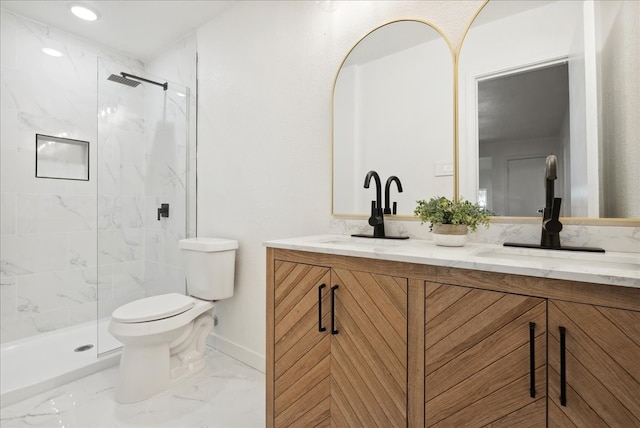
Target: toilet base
point(148, 369)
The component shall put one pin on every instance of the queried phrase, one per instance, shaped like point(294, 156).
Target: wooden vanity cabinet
point(485, 356)
point(418, 345)
point(594, 366)
point(302, 353)
point(600, 368)
point(339, 347)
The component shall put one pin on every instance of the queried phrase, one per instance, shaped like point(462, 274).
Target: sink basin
point(556, 258)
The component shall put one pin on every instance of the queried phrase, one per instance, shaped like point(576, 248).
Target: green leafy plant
point(440, 210)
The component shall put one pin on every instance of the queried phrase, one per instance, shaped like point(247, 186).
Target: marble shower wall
point(166, 179)
point(48, 250)
point(121, 188)
point(51, 274)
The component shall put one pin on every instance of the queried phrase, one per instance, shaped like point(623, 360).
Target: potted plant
point(451, 221)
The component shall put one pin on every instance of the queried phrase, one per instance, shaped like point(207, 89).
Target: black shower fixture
point(133, 81)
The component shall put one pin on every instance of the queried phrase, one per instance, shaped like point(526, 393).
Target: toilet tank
point(209, 266)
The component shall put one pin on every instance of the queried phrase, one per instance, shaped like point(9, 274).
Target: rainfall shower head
point(123, 80)
point(128, 79)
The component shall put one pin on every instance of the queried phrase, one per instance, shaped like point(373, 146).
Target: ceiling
point(138, 28)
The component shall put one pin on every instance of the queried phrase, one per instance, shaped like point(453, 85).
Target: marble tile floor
point(228, 394)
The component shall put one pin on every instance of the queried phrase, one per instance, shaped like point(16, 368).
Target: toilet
point(164, 336)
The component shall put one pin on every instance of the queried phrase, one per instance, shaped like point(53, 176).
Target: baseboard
point(238, 352)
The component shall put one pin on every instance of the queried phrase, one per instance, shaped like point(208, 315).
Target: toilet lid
point(153, 308)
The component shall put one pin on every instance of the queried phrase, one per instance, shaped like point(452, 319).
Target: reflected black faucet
point(377, 217)
point(391, 179)
point(551, 226)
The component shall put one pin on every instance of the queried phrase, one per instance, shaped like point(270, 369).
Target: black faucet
point(377, 216)
point(387, 186)
point(551, 226)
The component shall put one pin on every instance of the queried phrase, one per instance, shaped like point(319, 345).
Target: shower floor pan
point(35, 364)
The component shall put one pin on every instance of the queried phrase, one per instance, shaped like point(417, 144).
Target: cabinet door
point(601, 366)
point(302, 360)
point(369, 351)
point(485, 363)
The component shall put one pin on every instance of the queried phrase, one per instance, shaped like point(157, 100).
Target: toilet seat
point(153, 308)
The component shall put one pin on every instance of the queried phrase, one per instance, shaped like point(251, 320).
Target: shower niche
point(62, 158)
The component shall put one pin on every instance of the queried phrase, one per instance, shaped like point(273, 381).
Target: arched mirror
point(393, 113)
point(551, 77)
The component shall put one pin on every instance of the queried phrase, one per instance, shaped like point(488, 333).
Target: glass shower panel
point(142, 164)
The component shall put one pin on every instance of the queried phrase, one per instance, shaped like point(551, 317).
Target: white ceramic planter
point(450, 235)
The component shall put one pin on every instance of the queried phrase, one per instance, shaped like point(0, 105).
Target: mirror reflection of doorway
point(525, 190)
point(523, 116)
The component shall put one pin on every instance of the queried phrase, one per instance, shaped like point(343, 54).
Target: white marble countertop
point(611, 268)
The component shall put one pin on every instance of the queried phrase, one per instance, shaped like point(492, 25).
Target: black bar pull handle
point(532, 359)
point(563, 367)
point(320, 327)
point(333, 309)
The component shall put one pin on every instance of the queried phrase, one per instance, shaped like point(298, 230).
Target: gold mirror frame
point(622, 222)
point(454, 94)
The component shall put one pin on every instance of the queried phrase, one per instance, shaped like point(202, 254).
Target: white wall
point(266, 73)
point(403, 126)
point(619, 62)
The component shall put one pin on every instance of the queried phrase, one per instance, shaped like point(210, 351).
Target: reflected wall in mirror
point(393, 113)
point(512, 114)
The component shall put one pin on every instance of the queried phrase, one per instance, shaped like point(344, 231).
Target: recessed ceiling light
point(83, 12)
point(52, 52)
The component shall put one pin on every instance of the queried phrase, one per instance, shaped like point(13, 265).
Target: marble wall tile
point(8, 298)
point(16, 328)
point(128, 212)
point(51, 228)
point(161, 246)
point(82, 249)
point(33, 323)
point(32, 253)
point(9, 203)
point(611, 238)
point(82, 313)
point(46, 292)
point(42, 213)
point(161, 278)
point(121, 155)
point(128, 278)
point(120, 245)
point(8, 41)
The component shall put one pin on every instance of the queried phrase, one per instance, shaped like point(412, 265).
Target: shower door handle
point(163, 211)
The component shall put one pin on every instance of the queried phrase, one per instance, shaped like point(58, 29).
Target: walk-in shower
point(142, 168)
point(105, 243)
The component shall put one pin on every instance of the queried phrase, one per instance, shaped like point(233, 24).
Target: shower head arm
point(165, 85)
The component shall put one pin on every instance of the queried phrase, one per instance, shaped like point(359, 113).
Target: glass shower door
point(141, 168)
